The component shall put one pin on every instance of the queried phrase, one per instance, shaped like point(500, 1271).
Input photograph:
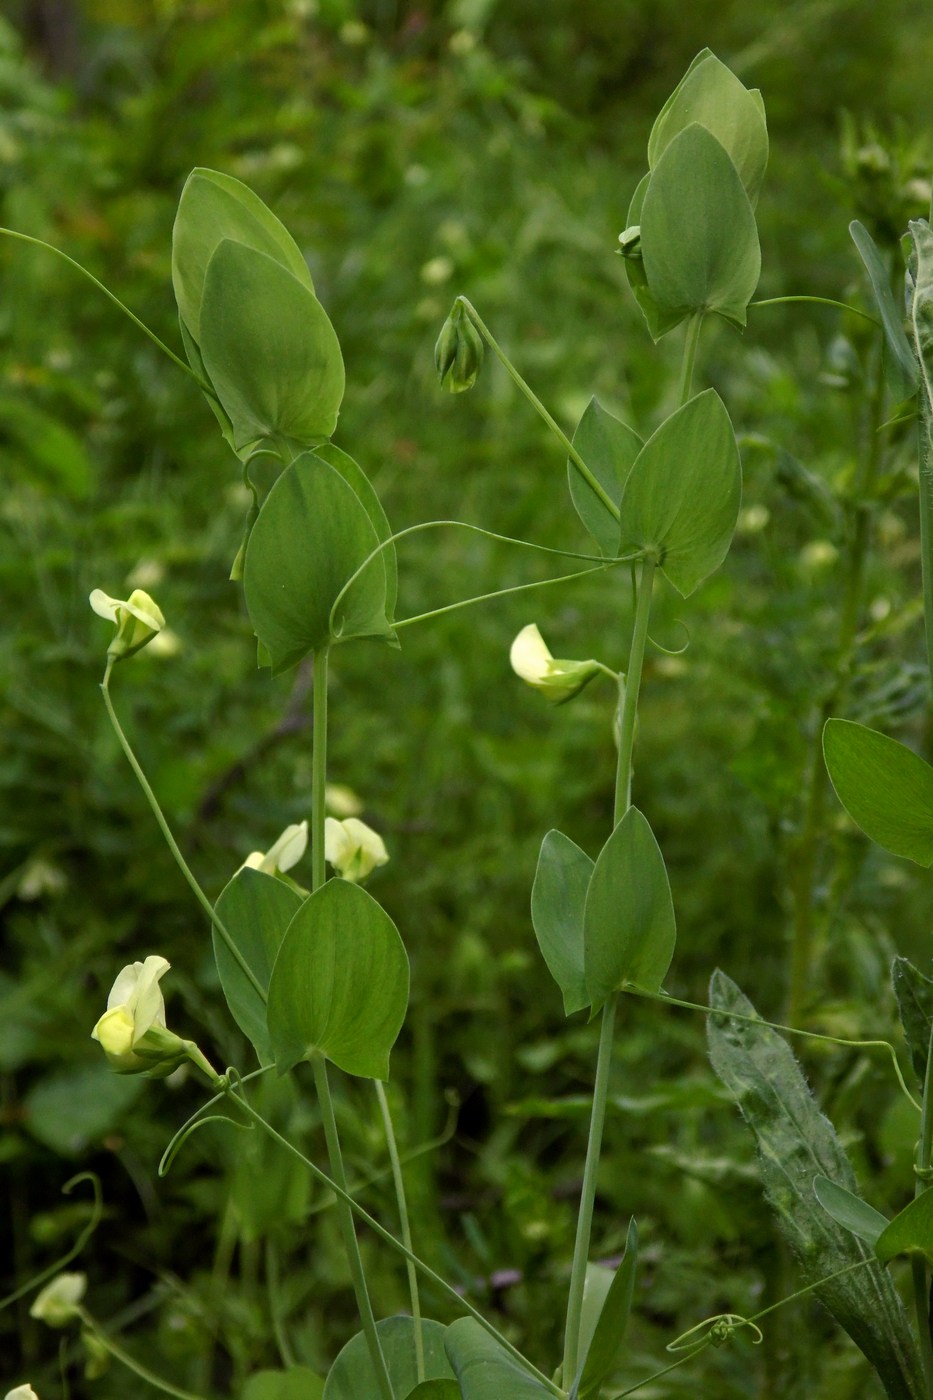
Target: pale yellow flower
point(57, 1304)
point(558, 681)
point(282, 854)
point(138, 619)
point(353, 848)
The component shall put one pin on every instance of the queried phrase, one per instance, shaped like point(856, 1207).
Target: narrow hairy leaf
point(352, 1376)
point(709, 93)
point(613, 1321)
point(485, 1371)
point(213, 207)
point(609, 448)
point(914, 994)
point(311, 536)
point(269, 350)
point(682, 496)
point(795, 1144)
point(910, 1232)
point(255, 909)
point(849, 1210)
point(339, 986)
point(628, 924)
point(884, 786)
point(558, 900)
point(699, 242)
point(902, 359)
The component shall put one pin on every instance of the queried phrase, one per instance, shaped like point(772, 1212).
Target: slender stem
point(820, 301)
point(536, 403)
point(588, 1194)
point(628, 700)
point(275, 1305)
point(173, 844)
point(629, 688)
point(388, 1238)
point(351, 1244)
point(130, 1362)
point(322, 1085)
point(694, 326)
point(400, 1197)
point(919, 1270)
point(319, 769)
point(502, 592)
point(50, 247)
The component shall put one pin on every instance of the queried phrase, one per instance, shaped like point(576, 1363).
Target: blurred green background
point(417, 151)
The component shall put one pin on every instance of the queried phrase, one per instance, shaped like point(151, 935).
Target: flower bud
point(353, 848)
point(630, 241)
point(138, 620)
point(283, 854)
point(458, 354)
point(558, 681)
point(57, 1304)
point(22, 1392)
point(132, 1031)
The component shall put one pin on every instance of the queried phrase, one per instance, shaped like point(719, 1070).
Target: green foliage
point(914, 994)
point(558, 901)
point(609, 448)
point(885, 787)
point(255, 909)
point(352, 1376)
point(609, 1333)
point(484, 1370)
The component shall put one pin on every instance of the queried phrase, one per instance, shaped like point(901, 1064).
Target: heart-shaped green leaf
point(681, 500)
point(628, 925)
point(364, 491)
point(911, 1232)
point(339, 986)
point(214, 207)
point(558, 899)
point(884, 786)
point(269, 350)
point(255, 909)
point(485, 1370)
point(609, 448)
point(311, 536)
point(613, 1321)
point(710, 94)
point(699, 242)
point(352, 1376)
point(849, 1210)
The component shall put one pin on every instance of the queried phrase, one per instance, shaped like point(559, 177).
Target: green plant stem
point(819, 301)
point(629, 687)
point(50, 248)
point(172, 843)
point(131, 1363)
point(808, 848)
point(318, 768)
point(388, 1238)
point(539, 408)
point(351, 1244)
point(588, 1193)
point(920, 1273)
point(694, 327)
point(399, 1183)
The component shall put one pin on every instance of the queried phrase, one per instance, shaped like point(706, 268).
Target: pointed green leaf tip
point(682, 496)
point(339, 986)
point(849, 1210)
point(609, 448)
point(628, 923)
point(884, 786)
point(911, 1232)
point(613, 1322)
point(558, 899)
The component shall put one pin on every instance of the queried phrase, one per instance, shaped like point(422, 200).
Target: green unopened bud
point(558, 681)
point(58, 1303)
point(96, 1355)
point(458, 354)
point(138, 620)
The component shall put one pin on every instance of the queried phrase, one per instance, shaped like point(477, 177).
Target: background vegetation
point(417, 151)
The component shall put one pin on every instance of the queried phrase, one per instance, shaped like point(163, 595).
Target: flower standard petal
point(529, 656)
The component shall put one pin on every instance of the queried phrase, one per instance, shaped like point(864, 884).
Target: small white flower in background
point(342, 801)
point(148, 573)
point(283, 854)
point(557, 680)
point(40, 877)
point(353, 848)
point(132, 1030)
point(57, 1304)
point(22, 1392)
point(138, 620)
